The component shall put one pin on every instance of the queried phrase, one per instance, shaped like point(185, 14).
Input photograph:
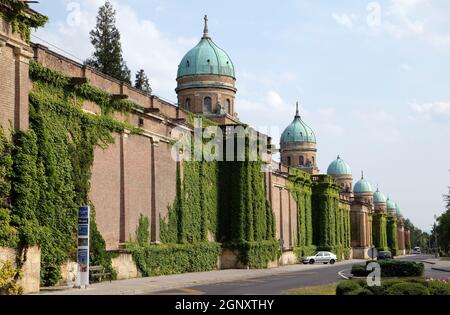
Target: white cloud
point(274, 99)
point(346, 20)
point(437, 111)
point(406, 67)
point(428, 20)
point(144, 45)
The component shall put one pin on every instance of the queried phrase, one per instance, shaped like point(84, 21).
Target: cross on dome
point(205, 29)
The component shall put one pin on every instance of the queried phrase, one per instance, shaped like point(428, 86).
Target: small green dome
point(379, 197)
point(298, 132)
point(339, 167)
point(391, 205)
point(399, 211)
point(362, 187)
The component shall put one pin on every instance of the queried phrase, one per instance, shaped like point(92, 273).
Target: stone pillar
point(359, 221)
point(154, 226)
point(15, 55)
point(401, 237)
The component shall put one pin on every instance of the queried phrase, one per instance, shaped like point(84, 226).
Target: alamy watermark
point(223, 144)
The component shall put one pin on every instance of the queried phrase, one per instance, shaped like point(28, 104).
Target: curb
point(428, 262)
point(440, 269)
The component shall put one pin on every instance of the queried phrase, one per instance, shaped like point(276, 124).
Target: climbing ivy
point(300, 187)
point(331, 232)
point(22, 20)
point(225, 202)
point(379, 232)
point(49, 176)
point(391, 230)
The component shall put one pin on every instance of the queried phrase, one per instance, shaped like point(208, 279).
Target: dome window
point(207, 105)
point(208, 61)
point(228, 106)
point(188, 104)
point(188, 64)
point(302, 160)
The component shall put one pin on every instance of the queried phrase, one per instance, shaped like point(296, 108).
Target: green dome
point(298, 132)
point(206, 58)
point(399, 211)
point(379, 197)
point(391, 205)
point(339, 167)
point(362, 187)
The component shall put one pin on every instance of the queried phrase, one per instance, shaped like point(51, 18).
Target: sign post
point(83, 245)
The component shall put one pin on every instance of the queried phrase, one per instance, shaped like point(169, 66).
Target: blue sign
point(83, 230)
point(83, 213)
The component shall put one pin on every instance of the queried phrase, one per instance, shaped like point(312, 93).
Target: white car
point(417, 251)
point(321, 257)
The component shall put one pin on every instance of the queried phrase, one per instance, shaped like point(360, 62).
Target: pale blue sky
point(372, 78)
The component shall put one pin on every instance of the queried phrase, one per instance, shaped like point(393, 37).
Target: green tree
point(443, 227)
point(142, 82)
point(105, 37)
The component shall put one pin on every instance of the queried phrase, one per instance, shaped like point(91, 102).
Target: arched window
point(313, 160)
point(302, 161)
point(289, 161)
point(228, 106)
point(207, 105)
point(188, 104)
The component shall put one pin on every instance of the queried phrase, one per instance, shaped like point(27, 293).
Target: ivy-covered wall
point(330, 230)
point(49, 177)
point(224, 202)
point(379, 231)
point(391, 231)
point(15, 12)
point(300, 186)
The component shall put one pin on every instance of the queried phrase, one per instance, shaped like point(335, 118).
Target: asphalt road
point(275, 285)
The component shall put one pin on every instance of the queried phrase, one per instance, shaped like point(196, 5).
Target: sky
point(372, 78)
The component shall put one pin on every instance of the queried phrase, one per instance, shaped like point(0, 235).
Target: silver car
point(320, 257)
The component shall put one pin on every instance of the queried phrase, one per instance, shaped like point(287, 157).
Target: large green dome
point(339, 167)
point(206, 59)
point(298, 132)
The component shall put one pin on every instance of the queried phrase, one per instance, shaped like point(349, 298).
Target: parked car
point(417, 251)
point(320, 257)
point(384, 255)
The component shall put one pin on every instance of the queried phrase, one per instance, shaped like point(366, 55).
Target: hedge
point(392, 268)
point(169, 259)
point(415, 286)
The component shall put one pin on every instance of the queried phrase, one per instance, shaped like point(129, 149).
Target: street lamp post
point(436, 238)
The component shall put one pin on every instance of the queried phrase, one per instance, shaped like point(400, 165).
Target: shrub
point(407, 288)
point(395, 268)
point(256, 254)
point(346, 287)
point(8, 279)
point(438, 288)
point(168, 259)
point(392, 268)
point(359, 270)
point(143, 231)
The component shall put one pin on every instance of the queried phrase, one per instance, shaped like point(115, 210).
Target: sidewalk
point(142, 286)
point(438, 264)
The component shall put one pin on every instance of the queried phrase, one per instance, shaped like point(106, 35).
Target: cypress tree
point(105, 38)
point(142, 82)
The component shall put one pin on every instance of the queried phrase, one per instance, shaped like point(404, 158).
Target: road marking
point(341, 274)
point(183, 291)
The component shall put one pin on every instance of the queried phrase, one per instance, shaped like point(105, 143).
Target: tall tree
point(142, 83)
point(105, 38)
